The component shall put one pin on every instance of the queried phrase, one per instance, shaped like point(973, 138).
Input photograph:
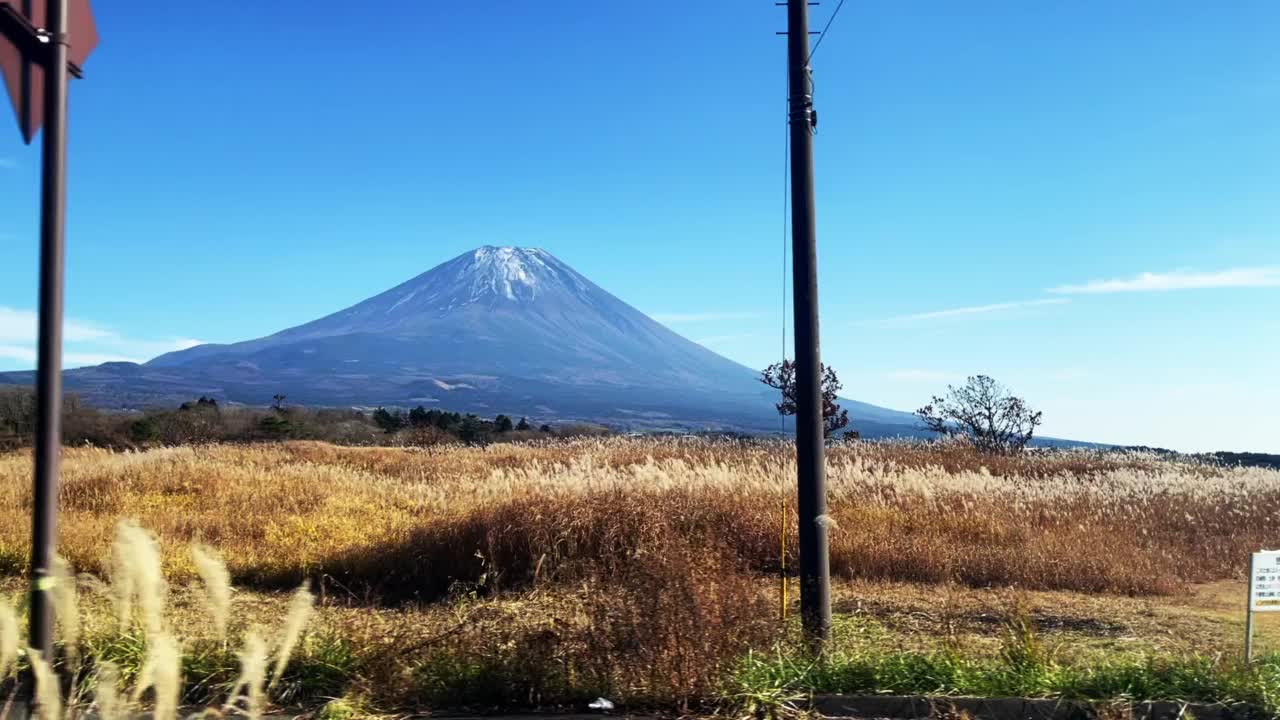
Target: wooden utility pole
point(815, 566)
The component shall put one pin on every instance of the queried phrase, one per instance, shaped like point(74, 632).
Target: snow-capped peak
point(487, 276)
point(510, 272)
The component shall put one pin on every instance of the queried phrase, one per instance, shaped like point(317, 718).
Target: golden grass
point(48, 694)
point(155, 656)
point(9, 635)
point(161, 672)
point(402, 523)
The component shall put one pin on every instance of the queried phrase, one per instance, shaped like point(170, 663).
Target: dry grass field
point(405, 523)
point(646, 570)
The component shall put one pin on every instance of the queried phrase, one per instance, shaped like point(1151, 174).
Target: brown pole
point(53, 202)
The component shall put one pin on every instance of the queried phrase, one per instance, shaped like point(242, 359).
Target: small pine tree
point(523, 424)
point(144, 430)
point(387, 420)
point(472, 430)
point(502, 424)
point(275, 427)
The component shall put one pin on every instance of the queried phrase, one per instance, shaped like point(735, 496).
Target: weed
point(343, 708)
point(216, 583)
point(9, 638)
point(300, 609)
point(48, 691)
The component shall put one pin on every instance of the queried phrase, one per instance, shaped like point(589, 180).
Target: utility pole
point(53, 203)
point(815, 566)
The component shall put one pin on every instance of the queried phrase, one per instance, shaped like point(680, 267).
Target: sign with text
point(1264, 585)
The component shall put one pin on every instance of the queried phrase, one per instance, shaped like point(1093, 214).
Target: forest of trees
point(467, 428)
point(204, 420)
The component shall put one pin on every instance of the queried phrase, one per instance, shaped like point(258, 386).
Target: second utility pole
point(815, 566)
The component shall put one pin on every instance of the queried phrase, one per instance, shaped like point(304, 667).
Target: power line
point(786, 205)
point(782, 419)
point(823, 36)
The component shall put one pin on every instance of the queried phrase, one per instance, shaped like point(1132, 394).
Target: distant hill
point(497, 329)
point(1221, 457)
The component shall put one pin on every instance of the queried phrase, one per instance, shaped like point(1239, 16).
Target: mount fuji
point(495, 330)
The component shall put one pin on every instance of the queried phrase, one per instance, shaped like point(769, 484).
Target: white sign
point(1264, 586)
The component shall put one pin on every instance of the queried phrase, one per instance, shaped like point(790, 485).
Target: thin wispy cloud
point(82, 359)
point(185, 343)
point(86, 343)
point(1248, 277)
point(21, 325)
point(977, 310)
point(679, 318)
point(20, 353)
point(27, 356)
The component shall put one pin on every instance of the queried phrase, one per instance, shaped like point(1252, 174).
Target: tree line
point(467, 428)
point(205, 420)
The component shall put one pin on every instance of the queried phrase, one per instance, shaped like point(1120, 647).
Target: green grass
point(865, 659)
point(343, 708)
point(784, 677)
point(323, 668)
point(456, 678)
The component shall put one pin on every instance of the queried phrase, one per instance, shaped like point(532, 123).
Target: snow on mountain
point(505, 311)
point(496, 329)
point(485, 276)
point(489, 273)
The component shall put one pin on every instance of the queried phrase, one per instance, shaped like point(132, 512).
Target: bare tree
point(782, 376)
point(983, 411)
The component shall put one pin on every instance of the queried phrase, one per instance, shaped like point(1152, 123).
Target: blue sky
point(1081, 199)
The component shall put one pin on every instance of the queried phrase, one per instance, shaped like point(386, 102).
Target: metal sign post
point(1264, 592)
point(36, 55)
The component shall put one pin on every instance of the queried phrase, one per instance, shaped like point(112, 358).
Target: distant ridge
point(496, 329)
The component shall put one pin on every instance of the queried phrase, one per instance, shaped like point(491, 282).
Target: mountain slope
point(509, 330)
point(496, 309)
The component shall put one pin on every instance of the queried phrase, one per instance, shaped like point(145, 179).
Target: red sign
point(23, 76)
